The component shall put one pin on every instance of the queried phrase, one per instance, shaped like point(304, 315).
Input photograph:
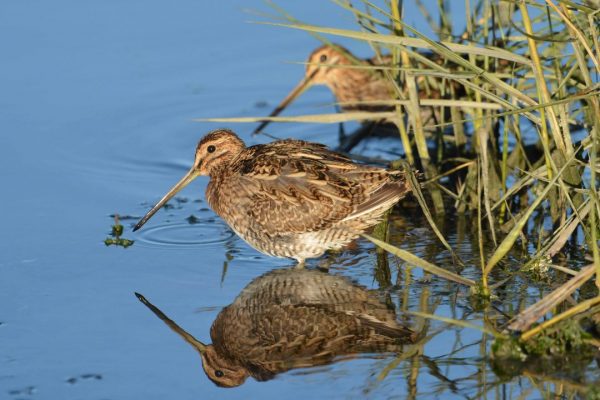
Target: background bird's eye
point(211, 149)
point(219, 373)
point(323, 58)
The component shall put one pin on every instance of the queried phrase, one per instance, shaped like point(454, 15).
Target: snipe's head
point(216, 150)
point(213, 153)
point(218, 369)
point(221, 371)
point(323, 68)
point(323, 65)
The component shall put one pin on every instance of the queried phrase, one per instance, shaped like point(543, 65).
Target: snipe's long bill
point(190, 176)
point(290, 198)
point(331, 65)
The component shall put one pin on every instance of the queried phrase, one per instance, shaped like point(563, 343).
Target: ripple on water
point(185, 235)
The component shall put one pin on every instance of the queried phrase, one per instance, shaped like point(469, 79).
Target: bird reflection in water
point(293, 318)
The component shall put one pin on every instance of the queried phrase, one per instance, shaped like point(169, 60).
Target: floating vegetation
point(192, 219)
point(115, 238)
point(75, 379)
point(560, 341)
point(539, 269)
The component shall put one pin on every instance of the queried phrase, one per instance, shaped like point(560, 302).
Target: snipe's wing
point(292, 186)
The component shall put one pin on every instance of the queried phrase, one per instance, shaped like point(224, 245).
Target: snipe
point(290, 198)
point(293, 318)
point(351, 83)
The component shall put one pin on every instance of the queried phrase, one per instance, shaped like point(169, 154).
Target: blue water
point(96, 108)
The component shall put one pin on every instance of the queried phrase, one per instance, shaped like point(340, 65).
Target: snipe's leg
point(325, 264)
point(341, 130)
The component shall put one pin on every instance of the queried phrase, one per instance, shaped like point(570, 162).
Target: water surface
point(96, 112)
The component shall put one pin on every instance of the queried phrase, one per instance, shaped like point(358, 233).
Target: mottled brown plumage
point(294, 318)
point(352, 82)
point(290, 198)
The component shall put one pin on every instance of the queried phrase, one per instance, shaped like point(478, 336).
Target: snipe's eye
point(211, 149)
point(323, 58)
point(219, 373)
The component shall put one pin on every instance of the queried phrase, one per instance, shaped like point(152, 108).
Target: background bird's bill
point(304, 84)
point(190, 176)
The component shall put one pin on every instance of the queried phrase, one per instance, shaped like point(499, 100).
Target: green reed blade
point(512, 236)
point(419, 262)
